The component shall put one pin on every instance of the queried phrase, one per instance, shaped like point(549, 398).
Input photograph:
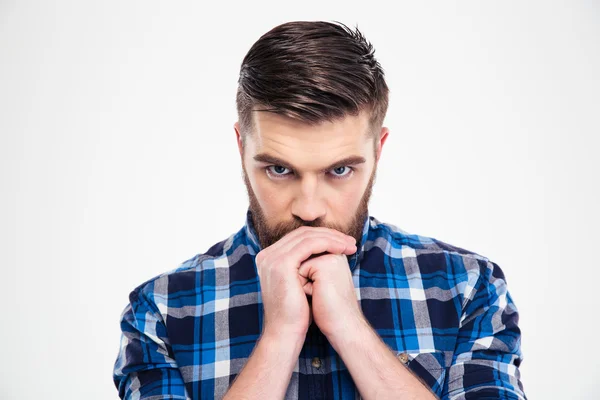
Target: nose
point(309, 204)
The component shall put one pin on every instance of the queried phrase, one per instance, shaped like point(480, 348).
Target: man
point(313, 298)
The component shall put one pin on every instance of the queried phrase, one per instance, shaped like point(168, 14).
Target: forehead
point(310, 145)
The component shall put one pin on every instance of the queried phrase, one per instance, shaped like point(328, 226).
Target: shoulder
point(439, 264)
point(187, 275)
point(431, 254)
point(416, 241)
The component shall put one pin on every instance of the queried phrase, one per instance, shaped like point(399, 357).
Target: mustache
point(283, 228)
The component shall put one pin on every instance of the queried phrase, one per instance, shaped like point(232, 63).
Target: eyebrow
point(348, 161)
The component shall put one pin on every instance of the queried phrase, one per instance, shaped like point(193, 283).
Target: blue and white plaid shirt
point(444, 311)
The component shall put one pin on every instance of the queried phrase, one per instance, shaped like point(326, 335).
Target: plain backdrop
point(118, 162)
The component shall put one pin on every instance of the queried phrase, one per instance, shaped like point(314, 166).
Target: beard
point(268, 235)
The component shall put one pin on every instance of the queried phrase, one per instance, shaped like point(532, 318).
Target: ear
point(382, 138)
point(238, 137)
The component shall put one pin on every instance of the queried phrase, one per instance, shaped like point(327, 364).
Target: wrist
point(281, 338)
point(353, 332)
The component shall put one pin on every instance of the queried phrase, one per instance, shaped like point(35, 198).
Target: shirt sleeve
point(486, 361)
point(145, 368)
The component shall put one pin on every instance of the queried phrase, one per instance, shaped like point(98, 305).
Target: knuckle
point(258, 258)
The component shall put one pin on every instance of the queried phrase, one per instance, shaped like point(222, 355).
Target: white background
point(118, 162)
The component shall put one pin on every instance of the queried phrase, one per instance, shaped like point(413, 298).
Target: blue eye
point(341, 172)
point(277, 170)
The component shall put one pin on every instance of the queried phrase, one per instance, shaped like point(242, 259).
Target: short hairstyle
point(313, 72)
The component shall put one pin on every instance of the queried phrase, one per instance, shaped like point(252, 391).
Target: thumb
point(307, 270)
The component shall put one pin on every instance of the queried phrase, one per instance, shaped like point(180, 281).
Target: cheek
point(345, 202)
point(346, 199)
point(271, 198)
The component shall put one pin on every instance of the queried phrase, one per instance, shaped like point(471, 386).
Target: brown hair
point(313, 72)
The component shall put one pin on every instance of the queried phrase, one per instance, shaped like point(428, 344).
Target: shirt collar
point(252, 237)
point(353, 260)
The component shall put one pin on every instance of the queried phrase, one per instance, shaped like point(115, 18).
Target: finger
point(303, 280)
point(308, 289)
point(318, 229)
point(335, 246)
point(282, 245)
point(308, 269)
point(303, 239)
point(315, 245)
point(295, 236)
point(291, 240)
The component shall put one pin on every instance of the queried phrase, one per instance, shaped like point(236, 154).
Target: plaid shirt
point(444, 311)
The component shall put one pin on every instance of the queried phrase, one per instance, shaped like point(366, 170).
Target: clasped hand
point(288, 275)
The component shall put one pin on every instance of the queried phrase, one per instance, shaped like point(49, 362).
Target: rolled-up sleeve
point(145, 368)
point(487, 357)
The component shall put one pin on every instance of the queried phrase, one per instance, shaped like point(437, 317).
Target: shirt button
point(403, 357)
point(316, 362)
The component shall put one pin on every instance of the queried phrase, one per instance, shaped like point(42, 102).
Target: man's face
point(297, 174)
